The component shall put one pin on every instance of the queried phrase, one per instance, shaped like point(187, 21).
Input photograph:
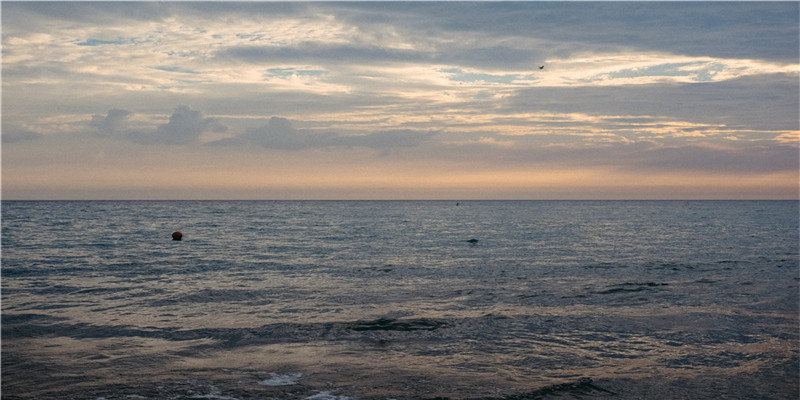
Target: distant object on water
point(177, 235)
point(472, 241)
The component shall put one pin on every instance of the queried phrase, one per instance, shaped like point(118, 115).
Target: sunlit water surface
point(382, 299)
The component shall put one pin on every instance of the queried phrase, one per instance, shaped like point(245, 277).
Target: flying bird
point(541, 67)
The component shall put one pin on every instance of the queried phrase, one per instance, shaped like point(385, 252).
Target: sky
point(386, 100)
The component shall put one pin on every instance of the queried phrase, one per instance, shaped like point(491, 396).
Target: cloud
point(38, 16)
point(99, 42)
point(753, 102)
point(113, 122)
point(184, 127)
point(700, 158)
point(466, 53)
point(734, 30)
point(735, 158)
point(15, 134)
point(461, 76)
point(279, 134)
point(329, 53)
point(175, 69)
point(385, 140)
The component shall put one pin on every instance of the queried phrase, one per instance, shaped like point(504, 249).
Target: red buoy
point(176, 235)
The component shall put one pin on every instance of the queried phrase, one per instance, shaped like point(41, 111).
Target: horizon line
point(419, 200)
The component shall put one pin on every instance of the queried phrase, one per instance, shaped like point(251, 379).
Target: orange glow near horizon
point(389, 181)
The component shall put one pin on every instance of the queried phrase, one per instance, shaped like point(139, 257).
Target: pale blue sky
point(400, 100)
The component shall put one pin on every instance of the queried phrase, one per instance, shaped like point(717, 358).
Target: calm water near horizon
point(344, 300)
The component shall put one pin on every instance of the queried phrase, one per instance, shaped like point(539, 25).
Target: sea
point(341, 300)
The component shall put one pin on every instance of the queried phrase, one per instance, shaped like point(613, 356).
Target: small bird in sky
point(541, 67)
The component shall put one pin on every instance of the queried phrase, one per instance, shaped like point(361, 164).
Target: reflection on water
point(391, 299)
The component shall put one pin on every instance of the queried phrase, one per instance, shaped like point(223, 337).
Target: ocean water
point(400, 299)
